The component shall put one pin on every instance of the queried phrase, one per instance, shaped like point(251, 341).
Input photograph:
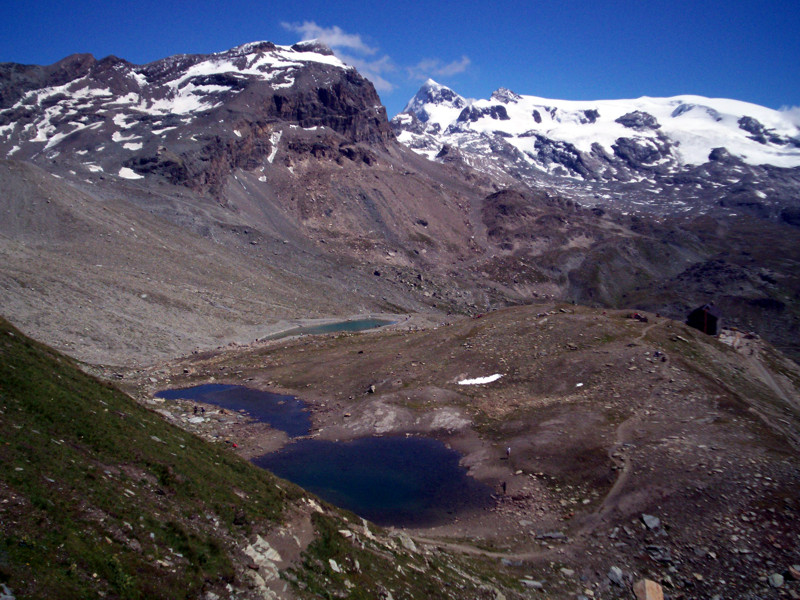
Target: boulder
point(616, 576)
point(776, 580)
point(646, 589)
point(651, 522)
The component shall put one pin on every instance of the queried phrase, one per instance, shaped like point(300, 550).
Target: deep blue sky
point(597, 49)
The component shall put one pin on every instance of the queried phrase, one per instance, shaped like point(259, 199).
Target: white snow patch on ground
point(140, 79)
point(289, 83)
point(121, 121)
point(133, 146)
point(118, 137)
point(162, 131)
point(94, 168)
point(274, 138)
point(128, 173)
point(480, 380)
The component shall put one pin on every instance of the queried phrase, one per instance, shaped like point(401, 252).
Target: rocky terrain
point(276, 167)
point(639, 448)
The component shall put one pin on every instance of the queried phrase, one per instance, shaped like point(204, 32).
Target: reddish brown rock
point(646, 589)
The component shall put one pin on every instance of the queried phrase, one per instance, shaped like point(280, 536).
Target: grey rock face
point(761, 134)
point(473, 114)
point(776, 580)
point(651, 522)
point(638, 120)
point(616, 576)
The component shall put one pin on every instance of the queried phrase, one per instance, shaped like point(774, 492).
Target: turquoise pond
point(390, 480)
point(351, 326)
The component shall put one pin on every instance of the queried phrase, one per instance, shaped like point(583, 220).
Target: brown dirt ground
point(608, 418)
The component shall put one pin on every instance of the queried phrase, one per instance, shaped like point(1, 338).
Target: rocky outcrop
point(472, 113)
point(638, 120)
point(762, 135)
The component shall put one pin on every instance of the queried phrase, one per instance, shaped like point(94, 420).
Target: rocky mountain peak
point(313, 46)
point(505, 96)
point(430, 96)
point(251, 48)
point(207, 113)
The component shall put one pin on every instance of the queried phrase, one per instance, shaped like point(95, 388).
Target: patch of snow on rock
point(128, 173)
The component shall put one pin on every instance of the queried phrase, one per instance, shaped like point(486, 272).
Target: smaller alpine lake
point(286, 413)
point(339, 326)
point(397, 480)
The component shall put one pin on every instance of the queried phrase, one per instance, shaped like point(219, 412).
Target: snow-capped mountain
point(649, 150)
point(114, 117)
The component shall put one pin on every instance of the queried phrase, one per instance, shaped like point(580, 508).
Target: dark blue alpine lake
point(400, 481)
point(392, 480)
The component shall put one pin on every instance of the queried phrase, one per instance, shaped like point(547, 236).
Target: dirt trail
point(618, 455)
point(649, 328)
point(474, 551)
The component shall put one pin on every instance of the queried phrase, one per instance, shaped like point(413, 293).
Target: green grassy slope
point(98, 494)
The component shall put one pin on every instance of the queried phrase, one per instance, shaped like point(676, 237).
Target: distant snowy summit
point(685, 147)
point(691, 126)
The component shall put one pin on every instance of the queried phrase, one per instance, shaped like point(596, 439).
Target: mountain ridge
point(284, 157)
point(648, 153)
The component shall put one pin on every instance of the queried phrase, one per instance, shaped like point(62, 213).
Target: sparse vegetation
point(100, 495)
